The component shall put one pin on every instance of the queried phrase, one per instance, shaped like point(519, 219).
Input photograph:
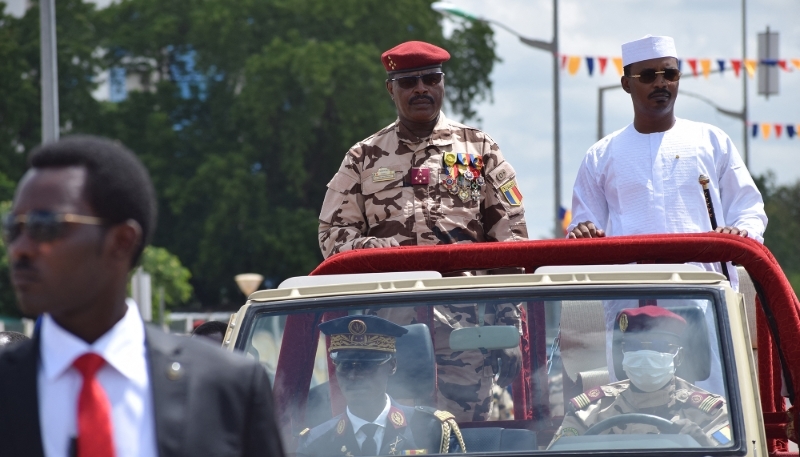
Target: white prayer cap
point(648, 47)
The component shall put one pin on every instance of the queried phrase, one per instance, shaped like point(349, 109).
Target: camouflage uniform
point(464, 378)
point(361, 206)
point(678, 401)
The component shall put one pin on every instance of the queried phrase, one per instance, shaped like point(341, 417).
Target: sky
point(520, 114)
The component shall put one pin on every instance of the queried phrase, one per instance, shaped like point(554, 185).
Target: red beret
point(650, 318)
point(413, 55)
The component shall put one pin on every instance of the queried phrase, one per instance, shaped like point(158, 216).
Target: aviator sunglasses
point(408, 82)
point(42, 226)
point(649, 75)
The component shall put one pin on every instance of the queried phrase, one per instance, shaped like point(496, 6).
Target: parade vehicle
point(739, 355)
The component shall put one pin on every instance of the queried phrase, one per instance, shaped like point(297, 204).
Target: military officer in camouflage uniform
point(426, 180)
point(651, 351)
point(362, 349)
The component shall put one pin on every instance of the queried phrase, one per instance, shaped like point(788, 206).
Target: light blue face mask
point(649, 370)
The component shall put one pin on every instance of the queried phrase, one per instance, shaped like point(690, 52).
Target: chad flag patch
point(512, 193)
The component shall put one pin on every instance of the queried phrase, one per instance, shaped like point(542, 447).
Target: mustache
point(421, 97)
point(658, 92)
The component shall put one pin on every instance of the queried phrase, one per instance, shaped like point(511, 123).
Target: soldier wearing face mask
point(651, 338)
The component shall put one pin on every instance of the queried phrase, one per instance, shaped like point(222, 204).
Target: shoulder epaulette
point(703, 401)
point(305, 430)
point(587, 398)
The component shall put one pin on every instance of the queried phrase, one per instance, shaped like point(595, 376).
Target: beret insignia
point(623, 323)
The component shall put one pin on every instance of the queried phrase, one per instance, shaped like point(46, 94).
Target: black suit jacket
point(206, 401)
point(415, 428)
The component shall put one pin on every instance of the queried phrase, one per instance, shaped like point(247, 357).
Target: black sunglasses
point(360, 366)
point(650, 75)
point(408, 82)
point(42, 226)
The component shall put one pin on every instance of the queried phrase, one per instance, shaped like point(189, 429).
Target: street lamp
point(248, 282)
point(49, 78)
point(551, 47)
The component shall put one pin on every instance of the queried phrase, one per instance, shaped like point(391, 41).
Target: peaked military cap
point(362, 337)
point(650, 318)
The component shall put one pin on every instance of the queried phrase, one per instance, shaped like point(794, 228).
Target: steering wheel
point(663, 425)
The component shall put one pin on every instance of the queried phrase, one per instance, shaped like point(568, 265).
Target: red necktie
point(94, 411)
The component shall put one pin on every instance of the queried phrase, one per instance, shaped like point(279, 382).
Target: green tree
point(167, 273)
point(782, 204)
point(255, 105)
point(7, 300)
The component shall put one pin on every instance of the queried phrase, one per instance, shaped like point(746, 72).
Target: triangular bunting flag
point(573, 65)
point(778, 129)
point(590, 65)
point(721, 65)
point(755, 130)
point(770, 62)
point(618, 64)
point(765, 129)
point(782, 64)
point(680, 65)
point(750, 66)
point(705, 64)
point(564, 62)
point(790, 131)
point(693, 65)
point(604, 60)
point(737, 66)
point(796, 63)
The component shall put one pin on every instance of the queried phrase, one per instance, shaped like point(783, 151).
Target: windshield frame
point(714, 293)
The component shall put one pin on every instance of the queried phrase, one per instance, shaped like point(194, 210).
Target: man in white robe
point(643, 178)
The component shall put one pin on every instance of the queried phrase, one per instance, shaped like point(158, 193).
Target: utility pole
point(49, 64)
point(745, 135)
point(558, 231)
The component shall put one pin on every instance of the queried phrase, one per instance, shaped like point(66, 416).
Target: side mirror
point(487, 337)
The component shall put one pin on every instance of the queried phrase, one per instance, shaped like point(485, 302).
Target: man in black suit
point(362, 349)
point(94, 380)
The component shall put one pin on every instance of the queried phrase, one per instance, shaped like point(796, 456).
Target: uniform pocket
point(386, 200)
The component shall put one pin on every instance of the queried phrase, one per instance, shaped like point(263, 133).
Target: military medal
point(462, 175)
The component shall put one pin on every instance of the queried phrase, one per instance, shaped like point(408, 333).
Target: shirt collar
point(122, 347)
point(380, 421)
point(441, 135)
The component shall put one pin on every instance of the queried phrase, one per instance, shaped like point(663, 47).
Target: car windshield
point(496, 371)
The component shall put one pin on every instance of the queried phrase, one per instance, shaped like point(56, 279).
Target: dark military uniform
point(676, 401)
point(409, 430)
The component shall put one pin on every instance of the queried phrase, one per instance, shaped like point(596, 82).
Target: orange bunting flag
point(705, 64)
point(573, 65)
point(778, 129)
point(618, 64)
point(604, 60)
point(796, 63)
point(750, 66)
point(765, 128)
point(693, 64)
point(737, 66)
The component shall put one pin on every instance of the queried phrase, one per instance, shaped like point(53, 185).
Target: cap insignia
point(623, 323)
point(357, 327)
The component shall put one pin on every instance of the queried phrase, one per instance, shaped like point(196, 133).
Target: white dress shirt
point(632, 183)
point(380, 421)
point(124, 378)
